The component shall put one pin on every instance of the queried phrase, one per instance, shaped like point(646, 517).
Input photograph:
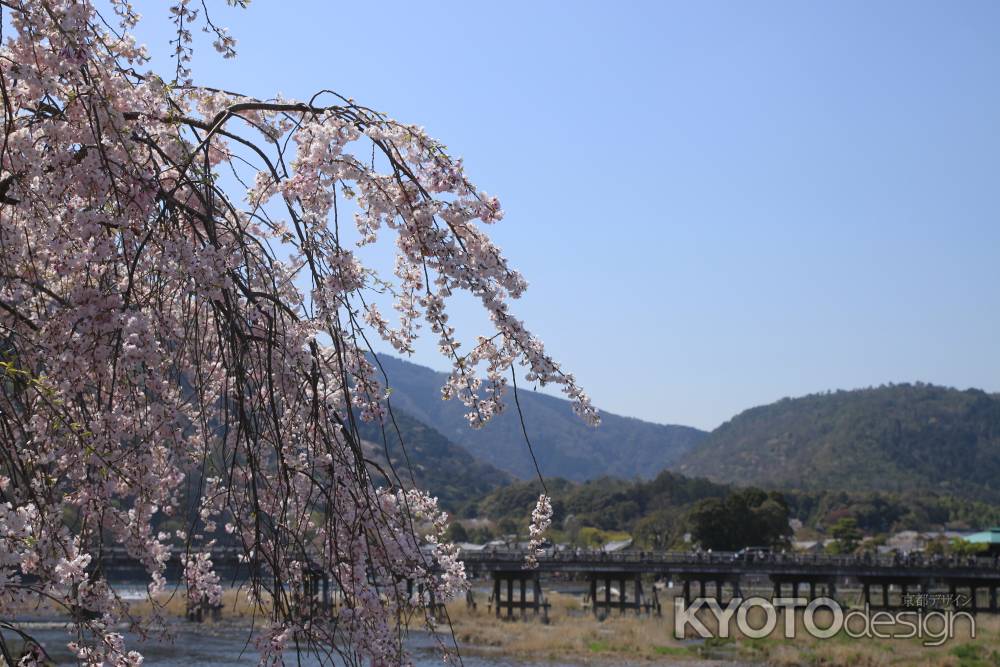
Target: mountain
point(438, 466)
point(906, 437)
point(563, 443)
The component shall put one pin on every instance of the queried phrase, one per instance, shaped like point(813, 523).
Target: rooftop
point(989, 536)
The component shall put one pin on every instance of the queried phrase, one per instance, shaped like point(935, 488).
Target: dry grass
point(573, 634)
point(236, 609)
point(569, 633)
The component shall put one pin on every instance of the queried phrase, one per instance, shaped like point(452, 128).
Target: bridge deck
point(777, 565)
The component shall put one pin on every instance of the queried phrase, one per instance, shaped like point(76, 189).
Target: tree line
point(659, 513)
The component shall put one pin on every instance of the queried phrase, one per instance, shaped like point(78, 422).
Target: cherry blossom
point(185, 317)
point(541, 519)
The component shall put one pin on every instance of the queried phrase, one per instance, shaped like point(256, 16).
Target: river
point(205, 649)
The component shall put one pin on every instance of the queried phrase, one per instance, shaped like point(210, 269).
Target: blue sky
point(717, 204)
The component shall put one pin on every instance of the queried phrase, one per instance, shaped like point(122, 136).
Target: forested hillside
point(897, 438)
point(658, 512)
point(564, 444)
point(426, 459)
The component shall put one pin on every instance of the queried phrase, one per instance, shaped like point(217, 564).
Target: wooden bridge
point(961, 582)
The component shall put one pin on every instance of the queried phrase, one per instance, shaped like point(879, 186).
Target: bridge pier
point(975, 587)
point(789, 574)
point(505, 606)
point(686, 589)
point(606, 604)
point(196, 610)
point(315, 593)
point(797, 582)
point(718, 583)
point(926, 599)
point(429, 601)
point(884, 584)
point(720, 589)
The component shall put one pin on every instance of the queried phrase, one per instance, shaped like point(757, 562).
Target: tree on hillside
point(711, 525)
point(747, 517)
point(456, 533)
point(659, 530)
point(956, 546)
point(846, 534)
point(184, 316)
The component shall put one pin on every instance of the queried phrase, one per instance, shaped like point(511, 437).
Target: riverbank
point(575, 635)
point(483, 641)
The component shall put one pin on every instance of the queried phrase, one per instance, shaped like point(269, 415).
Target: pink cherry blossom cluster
point(541, 519)
point(201, 580)
point(184, 327)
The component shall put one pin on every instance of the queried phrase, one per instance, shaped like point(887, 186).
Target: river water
point(202, 649)
point(218, 646)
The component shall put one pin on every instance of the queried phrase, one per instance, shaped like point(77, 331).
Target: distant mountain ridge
point(564, 445)
point(897, 438)
point(428, 460)
point(902, 438)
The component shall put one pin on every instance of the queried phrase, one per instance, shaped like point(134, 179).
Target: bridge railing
point(720, 558)
point(228, 554)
